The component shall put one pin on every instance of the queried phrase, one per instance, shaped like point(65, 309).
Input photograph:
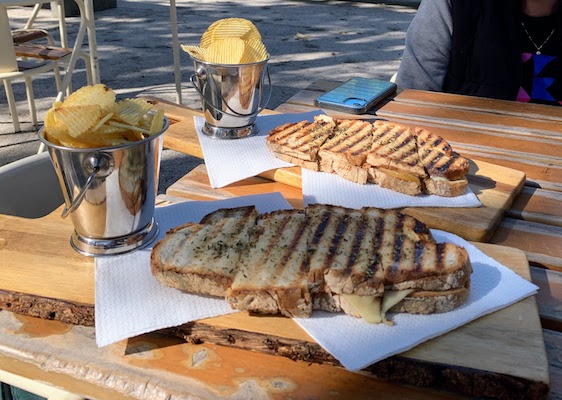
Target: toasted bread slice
point(395, 149)
point(437, 157)
point(408, 264)
point(301, 140)
point(432, 302)
point(351, 141)
point(203, 258)
point(324, 257)
point(311, 165)
point(342, 248)
point(396, 223)
point(427, 139)
point(272, 278)
point(345, 153)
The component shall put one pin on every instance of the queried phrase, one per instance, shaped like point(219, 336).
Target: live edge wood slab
point(501, 355)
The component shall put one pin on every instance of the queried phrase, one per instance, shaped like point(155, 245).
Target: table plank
point(549, 297)
point(503, 107)
point(542, 243)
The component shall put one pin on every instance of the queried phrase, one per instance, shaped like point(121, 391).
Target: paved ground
point(307, 40)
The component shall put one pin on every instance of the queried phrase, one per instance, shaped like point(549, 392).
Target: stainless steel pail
point(231, 96)
point(110, 193)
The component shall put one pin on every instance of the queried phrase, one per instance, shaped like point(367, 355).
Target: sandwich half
point(395, 156)
point(363, 262)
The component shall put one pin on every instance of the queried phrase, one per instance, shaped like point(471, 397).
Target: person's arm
point(428, 43)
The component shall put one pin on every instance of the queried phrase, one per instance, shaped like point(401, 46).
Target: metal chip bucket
point(110, 193)
point(231, 96)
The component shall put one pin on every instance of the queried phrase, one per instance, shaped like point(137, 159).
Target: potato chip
point(219, 43)
point(85, 143)
point(102, 121)
point(131, 111)
point(157, 122)
point(90, 118)
point(97, 94)
point(233, 27)
point(207, 37)
point(254, 51)
point(225, 51)
point(194, 51)
point(78, 119)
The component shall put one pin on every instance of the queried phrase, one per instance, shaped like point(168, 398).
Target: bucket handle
point(78, 199)
point(235, 114)
point(101, 164)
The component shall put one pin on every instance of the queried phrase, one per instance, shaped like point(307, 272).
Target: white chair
point(22, 58)
point(30, 187)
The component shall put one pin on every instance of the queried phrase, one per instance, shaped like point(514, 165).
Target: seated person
point(503, 49)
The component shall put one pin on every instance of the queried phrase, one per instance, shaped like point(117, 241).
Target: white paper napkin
point(129, 301)
point(325, 188)
point(357, 344)
point(229, 161)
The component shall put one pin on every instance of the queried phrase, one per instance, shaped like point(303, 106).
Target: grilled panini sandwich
point(395, 156)
point(363, 262)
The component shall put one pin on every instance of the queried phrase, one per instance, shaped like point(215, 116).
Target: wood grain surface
point(63, 277)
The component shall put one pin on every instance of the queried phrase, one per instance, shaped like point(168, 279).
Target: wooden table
point(49, 280)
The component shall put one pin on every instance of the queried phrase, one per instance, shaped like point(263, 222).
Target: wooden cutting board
point(496, 187)
point(42, 276)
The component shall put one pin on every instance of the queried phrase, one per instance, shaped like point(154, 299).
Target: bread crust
point(446, 188)
point(424, 302)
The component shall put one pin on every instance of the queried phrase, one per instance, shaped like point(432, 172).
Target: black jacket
point(486, 48)
point(485, 54)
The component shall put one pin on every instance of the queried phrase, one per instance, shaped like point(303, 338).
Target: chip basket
point(231, 96)
point(110, 193)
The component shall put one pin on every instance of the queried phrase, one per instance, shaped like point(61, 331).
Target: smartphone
point(356, 95)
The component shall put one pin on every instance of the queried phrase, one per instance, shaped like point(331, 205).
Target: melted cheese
point(440, 178)
point(393, 297)
point(370, 308)
point(400, 175)
point(367, 307)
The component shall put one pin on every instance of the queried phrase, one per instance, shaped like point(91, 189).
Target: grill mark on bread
point(436, 162)
point(351, 136)
point(298, 238)
point(428, 139)
point(397, 142)
point(357, 243)
point(301, 140)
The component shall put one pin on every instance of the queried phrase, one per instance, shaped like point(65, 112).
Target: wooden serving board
point(495, 186)
point(42, 276)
